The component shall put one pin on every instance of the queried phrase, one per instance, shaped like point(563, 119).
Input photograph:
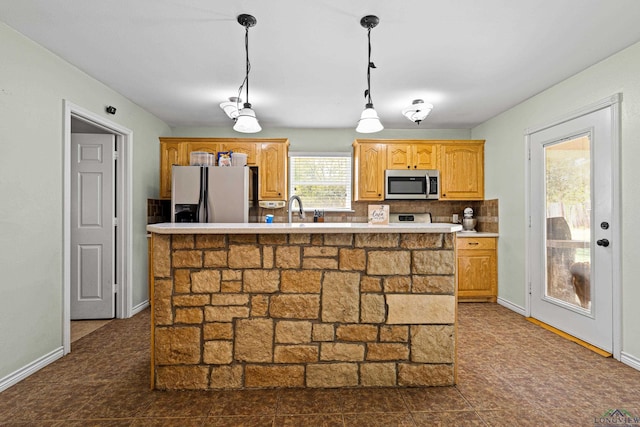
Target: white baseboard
point(30, 369)
point(511, 306)
point(630, 360)
point(138, 308)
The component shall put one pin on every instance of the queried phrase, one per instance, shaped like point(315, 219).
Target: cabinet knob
point(415, 166)
point(408, 167)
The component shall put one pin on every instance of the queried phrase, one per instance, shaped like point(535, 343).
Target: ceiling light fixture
point(417, 111)
point(230, 107)
point(246, 122)
point(369, 121)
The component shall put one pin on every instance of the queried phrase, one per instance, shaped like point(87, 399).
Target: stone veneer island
point(239, 306)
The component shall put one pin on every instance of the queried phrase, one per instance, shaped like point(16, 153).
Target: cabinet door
point(424, 156)
point(412, 156)
point(398, 156)
point(208, 147)
point(462, 172)
point(477, 269)
point(273, 171)
point(247, 148)
point(171, 153)
point(369, 171)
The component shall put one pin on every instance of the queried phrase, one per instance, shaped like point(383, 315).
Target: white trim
point(616, 229)
point(613, 102)
point(30, 369)
point(527, 226)
point(140, 307)
point(124, 137)
point(511, 306)
point(627, 359)
point(598, 105)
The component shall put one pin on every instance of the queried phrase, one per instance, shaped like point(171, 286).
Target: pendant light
point(246, 122)
point(369, 121)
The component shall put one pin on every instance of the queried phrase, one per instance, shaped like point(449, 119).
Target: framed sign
point(378, 214)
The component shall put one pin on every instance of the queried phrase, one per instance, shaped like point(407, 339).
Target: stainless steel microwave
point(416, 184)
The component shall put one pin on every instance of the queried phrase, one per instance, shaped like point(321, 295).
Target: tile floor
point(511, 373)
point(81, 328)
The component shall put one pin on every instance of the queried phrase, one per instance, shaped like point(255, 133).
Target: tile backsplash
point(485, 211)
point(158, 210)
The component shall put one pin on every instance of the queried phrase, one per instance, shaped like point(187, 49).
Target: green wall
point(33, 85)
point(324, 140)
point(505, 177)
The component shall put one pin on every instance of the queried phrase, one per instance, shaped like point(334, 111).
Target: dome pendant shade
point(230, 107)
point(246, 122)
point(417, 111)
point(369, 121)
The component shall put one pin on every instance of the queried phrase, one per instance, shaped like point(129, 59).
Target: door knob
point(603, 242)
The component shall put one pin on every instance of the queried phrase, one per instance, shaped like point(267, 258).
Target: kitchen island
point(239, 306)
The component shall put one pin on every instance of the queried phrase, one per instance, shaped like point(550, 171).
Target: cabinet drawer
point(476, 243)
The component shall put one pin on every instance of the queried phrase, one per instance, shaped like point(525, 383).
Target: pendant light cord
point(248, 67)
point(369, 66)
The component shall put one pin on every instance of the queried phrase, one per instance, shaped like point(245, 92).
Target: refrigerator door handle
point(202, 203)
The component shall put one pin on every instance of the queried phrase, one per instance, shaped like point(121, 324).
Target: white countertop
point(476, 234)
point(298, 228)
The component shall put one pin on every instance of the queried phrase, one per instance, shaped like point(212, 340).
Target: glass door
point(568, 217)
point(570, 240)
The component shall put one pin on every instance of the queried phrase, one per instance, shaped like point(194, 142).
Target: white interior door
point(571, 236)
point(92, 228)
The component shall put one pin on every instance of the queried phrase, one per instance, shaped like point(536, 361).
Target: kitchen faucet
point(301, 212)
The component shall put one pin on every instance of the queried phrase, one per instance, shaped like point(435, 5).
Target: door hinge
point(115, 155)
point(529, 221)
point(115, 288)
point(529, 288)
point(115, 222)
point(529, 153)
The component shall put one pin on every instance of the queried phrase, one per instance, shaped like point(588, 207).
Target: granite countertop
point(299, 228)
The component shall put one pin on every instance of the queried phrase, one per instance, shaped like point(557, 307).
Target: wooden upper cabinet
point(205, 146)
point(425, 156)
point(462, 170)
point(248, 148)
point(368, 173)
point(272, 171)
point(272, 179)
point(412, 156)
point(171, 153)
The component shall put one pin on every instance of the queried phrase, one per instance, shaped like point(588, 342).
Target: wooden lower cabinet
point(477, 262)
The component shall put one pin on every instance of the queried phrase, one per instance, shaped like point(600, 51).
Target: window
point(322, 180)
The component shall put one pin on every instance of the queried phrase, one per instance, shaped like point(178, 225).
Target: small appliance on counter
point(213, 194)
point(468, 221)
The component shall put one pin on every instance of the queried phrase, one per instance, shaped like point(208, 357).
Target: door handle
point(603, 242)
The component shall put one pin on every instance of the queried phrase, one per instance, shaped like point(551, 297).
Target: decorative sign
point(378, 214)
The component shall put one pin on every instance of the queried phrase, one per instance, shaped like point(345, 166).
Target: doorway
point(573, 239)
point(78, 120)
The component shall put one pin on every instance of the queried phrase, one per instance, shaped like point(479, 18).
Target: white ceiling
point(472, 59)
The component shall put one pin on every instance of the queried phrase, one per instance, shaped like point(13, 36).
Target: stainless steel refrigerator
point(213, 194)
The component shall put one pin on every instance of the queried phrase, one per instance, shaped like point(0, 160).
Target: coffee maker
point(468, 221)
